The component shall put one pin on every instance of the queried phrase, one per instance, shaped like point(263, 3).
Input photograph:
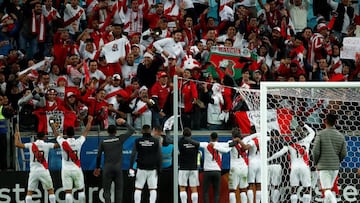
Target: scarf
point(38, 27)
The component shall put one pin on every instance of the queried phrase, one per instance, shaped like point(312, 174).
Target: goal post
point(302, 99)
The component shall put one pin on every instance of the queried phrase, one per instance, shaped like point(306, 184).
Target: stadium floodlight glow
point(308, 102)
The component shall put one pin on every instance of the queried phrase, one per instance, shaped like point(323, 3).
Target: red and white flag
point(278, 119)
point(63, 119)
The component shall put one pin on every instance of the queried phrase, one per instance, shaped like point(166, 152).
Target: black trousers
point(212, 178)
point(113, 174)
point(3, 152)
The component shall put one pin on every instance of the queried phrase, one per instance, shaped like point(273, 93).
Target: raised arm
point(279, 153)
point(88, 126)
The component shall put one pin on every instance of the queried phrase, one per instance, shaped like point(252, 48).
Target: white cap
point(147, 54)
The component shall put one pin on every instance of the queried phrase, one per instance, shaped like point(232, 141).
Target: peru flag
point(278, 119)
point(63, 119)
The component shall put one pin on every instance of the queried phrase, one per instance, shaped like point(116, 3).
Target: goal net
point(291, 114)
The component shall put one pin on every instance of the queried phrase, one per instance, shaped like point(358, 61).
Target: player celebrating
point(71, 173)
point(148, 151)
point(329, 150)
point(188, 166)
point(39, 172)
point(238, 175)
point(300, 169)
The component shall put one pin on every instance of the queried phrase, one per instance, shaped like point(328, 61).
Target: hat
point(321, 26)
point(257, 71)
point(143, 88)
point(116, 77)
point(162, 74)
point(135, 45)
point(69, 94)
point(147, 54)
point(171, 56)
point(277, 29)
point(61, 78)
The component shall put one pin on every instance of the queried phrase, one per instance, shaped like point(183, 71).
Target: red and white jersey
point(69, 162)
point(213, 155)
point(254, 151)
point(43, 153)
point(128, 72)
point(133, 21)
point(73, 15)
point(238, 156)
point(49, 14)
point(171, 8)
point(111, 91)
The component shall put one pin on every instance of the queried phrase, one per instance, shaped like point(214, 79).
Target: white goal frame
point(264, 88)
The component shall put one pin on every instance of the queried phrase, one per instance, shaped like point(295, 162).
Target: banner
point(350, 48)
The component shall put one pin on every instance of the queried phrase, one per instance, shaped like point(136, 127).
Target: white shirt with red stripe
point(128, 72)
point(210, 163)
point(75, 145)
point(70, 12)
point(44, 148)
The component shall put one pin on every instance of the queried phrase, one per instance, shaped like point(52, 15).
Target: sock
point(28, 199)
point(243, 197)
point(183, 197)
point(52, 198)
point(81, 197)
point(232, 197)
point(153, 195)
point(293, 198)
point(329, 197)
point(250, 194)
point(69, 198)
point(194, 197)
point(258, 196)
point(306, 198)
point(275, 197)
point(137, 196)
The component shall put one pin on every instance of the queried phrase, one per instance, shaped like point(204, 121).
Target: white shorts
point(149, 176)
point(274, 174)
point(327, 178)
point(42, 176)
point(254, 174)
point(300, 174)
point(72, 179)
point(191, 175)
point(238, 176)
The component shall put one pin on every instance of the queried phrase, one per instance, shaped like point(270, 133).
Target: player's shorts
point(254, 175)
point(238, 176)
point(191, 175)
point(300, 174)
point(72, 179)
point(274, 174)
point(42, 176)
point(149, 176)
point(327, 178)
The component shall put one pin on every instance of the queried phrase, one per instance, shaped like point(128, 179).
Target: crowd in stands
point(112, 59)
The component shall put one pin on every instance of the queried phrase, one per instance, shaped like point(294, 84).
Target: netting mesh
point(294, 107)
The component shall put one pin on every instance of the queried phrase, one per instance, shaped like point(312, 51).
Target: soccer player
point(188, 166)
point(238, 175)
point(71, 173)
point(39, 172)
point(212, 165)
point(300, 169)
point(251, 143)
point(329, 150)
point(148, 152)
point(112, 147)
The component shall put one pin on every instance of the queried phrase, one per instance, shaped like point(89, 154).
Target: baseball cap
point(321, 26)
point(162, 74)
point(135, 45)
point(69, 94)
point(116, 77)
point(171, 56)
point(51, 91)
point(277, 29)
point(147, 54)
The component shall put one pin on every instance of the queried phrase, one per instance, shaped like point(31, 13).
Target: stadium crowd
point(112, 59)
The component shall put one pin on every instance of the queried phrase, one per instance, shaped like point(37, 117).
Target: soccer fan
point(112, 147)
point(147, 70)
point(129, 69)
point(212, 165)
point(300, 169)
point(328, 151)
point(71, 173)
point(148, 158)
point(160, 93)
point(238, 174)
point(141, 108)
point(74, 17)
point(134, 16)
point(188, 166)
point(189, 97)
point(39, 172)
point(171, 46)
